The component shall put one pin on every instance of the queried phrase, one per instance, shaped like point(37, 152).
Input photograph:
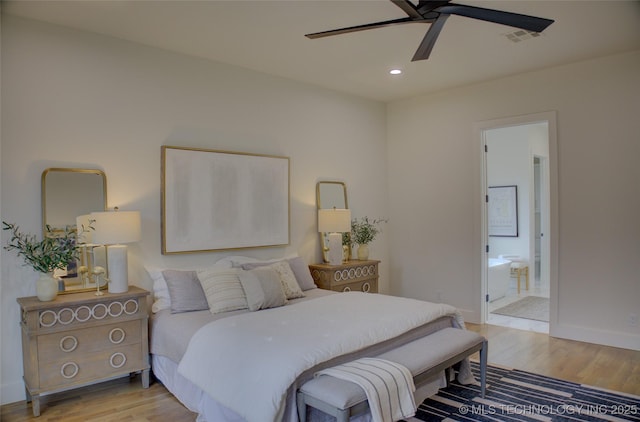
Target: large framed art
point(218, 200)
point(503, 211)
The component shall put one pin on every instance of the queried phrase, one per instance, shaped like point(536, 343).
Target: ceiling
point(268, 36)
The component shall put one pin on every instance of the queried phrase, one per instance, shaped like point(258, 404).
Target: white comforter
point(247, 362)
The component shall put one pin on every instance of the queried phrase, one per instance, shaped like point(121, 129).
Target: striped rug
point(514, 395)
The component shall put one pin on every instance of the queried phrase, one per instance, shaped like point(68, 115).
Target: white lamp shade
point(334, 220)
point(116, 227)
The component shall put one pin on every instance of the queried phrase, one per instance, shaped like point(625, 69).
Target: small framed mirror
point(330, 195)
point(68, 193)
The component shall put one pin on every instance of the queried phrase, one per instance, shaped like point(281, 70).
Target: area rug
point(514, 395)
point(530, 307)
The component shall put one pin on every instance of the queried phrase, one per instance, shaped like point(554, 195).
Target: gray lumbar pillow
point(263, 288)
point(185, 291)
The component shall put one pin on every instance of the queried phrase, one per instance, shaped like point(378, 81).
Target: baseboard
point(595, 336)
point(11, 393)
point(470, 316)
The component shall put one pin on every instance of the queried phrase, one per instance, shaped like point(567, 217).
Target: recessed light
point(395, 71)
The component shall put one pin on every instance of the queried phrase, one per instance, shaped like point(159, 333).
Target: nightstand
point(349, 276)
point(79, 339)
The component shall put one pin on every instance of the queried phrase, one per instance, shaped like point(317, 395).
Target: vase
point(46, 287)
point(363, 252)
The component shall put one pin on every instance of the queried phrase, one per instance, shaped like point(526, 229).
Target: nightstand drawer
point(367, 286)
point(52, 347)
point(79, 368)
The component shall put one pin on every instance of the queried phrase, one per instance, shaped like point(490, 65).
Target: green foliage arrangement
point(364, 231)
point(346, 239)
point(55, 251)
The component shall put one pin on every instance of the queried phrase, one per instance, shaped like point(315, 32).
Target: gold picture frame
point(216, 200)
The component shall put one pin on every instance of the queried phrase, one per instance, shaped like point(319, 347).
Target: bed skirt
point(208, 410)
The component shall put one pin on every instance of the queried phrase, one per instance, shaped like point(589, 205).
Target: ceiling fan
point(436, 13)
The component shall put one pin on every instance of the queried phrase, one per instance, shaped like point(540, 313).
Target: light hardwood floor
point(125, 400)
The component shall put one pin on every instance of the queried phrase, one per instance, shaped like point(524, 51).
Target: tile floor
point(535, 289)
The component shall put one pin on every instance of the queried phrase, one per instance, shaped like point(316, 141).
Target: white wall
point(435, 199)
point(74, 99)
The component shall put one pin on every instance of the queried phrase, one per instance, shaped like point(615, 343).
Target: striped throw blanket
point(389, 386)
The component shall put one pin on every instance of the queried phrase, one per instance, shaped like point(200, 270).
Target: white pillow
point(161, 298)
point(229, 261)
point(223, 289)
point(290, 285)
point(238, 261)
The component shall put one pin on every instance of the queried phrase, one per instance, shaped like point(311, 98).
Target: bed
point(245, 364)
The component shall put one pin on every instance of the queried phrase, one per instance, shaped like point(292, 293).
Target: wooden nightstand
point(349, 276)
point(79, 339)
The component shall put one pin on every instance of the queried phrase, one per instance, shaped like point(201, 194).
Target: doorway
point(517, 282)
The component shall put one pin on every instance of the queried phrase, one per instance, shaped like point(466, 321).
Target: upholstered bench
point(424, 358)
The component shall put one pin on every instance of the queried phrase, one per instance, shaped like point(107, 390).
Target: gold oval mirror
point(68, 193)
point(330, 195)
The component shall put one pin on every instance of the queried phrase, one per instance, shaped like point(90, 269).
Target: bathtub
point(499, 277)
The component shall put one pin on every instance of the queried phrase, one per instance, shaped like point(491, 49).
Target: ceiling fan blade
point(530, 23)
point(408, 8)
point(425, 6)
point(359, 28)
point(429, 40)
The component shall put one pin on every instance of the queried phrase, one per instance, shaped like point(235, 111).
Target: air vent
point(521, 35)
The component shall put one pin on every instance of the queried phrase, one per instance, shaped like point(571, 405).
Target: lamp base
point(117, 266)
point(335, 248)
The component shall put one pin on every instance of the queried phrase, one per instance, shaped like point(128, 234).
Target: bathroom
point(517, 269)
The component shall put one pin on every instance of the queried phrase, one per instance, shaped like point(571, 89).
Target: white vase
point(363, 252)
point(46, 287)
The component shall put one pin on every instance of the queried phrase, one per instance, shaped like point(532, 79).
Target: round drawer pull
point(130, 307)
point(63, 371)
point(99, 311)
point(83, 313)
point(346, 289)
point(366, 287)
point(72, 347)
point(51, 322)
point(69, 319)
point(119, 335)
point(119, 308)
point(113, 359)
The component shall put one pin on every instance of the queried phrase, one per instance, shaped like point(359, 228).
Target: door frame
point(482, 224)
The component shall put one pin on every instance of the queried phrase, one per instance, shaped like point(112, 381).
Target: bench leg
point(302, 408)
point(483, 367)
point(343, 416)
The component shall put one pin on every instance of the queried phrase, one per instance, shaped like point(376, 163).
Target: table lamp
point(335, 222)
point(113, 229)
